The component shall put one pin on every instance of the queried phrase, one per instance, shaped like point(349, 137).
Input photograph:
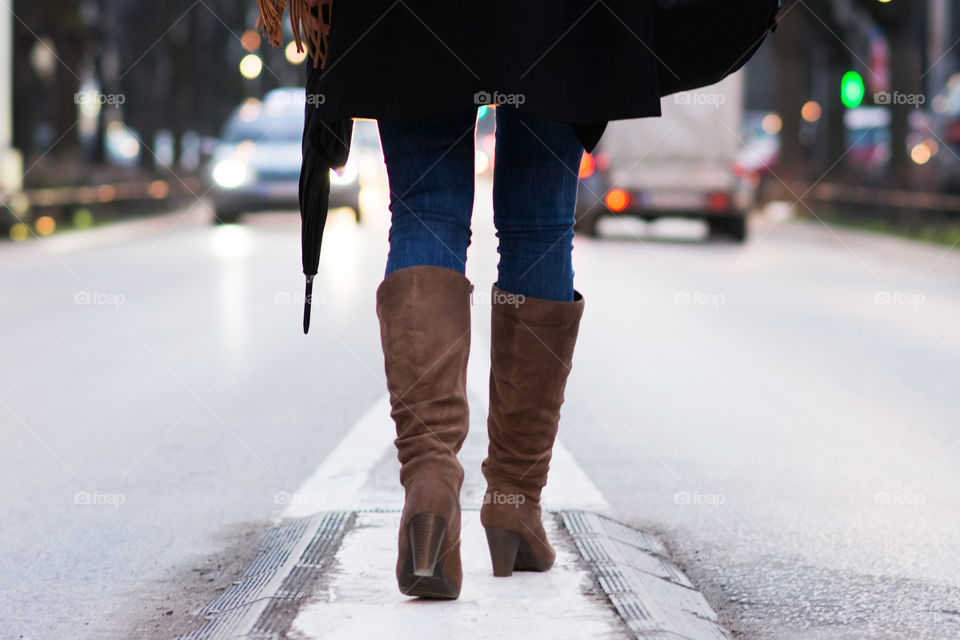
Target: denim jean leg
point(430, 170)
point(534, 201)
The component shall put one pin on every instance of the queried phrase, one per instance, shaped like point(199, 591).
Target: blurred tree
point(176, 61)
point(818, 40)
point(181, 43)
point(791, 86)
point(832, 39)
point(172, 60)
point(52, 28)
point(900, 22)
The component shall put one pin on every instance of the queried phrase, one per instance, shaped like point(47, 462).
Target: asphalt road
point(783, 413)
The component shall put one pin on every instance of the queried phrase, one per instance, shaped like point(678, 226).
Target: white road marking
point(336, 484)
point(362, 599)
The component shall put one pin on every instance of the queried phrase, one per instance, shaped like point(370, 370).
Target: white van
point(680, 165)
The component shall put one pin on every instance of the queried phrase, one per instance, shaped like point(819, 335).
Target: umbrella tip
point(308, 294)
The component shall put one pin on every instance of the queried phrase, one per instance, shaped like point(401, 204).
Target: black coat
point(583, 62)
point(578, 61)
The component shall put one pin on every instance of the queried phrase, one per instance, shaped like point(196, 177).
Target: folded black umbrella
point(326, 146)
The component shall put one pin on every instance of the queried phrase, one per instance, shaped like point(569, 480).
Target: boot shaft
point(532, 344)
point(424, 314)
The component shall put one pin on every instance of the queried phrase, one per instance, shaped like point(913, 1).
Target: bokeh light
point(45, 225)
point(250, 40)
point(292, 55)
point(811, 111)
point(250, 66)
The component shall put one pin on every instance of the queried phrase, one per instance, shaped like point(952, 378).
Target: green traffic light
point(852, 89)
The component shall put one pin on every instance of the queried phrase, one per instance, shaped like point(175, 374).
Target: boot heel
point(426, 536)
point(504, 546)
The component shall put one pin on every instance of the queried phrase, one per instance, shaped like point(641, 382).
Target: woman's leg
point(535, 317)
point(423, 305)
point(534, 198)
point(430, 168)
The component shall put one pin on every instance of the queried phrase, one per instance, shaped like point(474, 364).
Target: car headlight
point(230, 174)
point(347, 176)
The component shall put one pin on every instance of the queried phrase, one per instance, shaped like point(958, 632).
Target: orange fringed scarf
point(270, 22)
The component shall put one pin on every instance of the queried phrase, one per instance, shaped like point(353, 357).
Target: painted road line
point(361, 599)
point(336, 484)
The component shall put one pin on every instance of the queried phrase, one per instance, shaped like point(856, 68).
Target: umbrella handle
point(306, 304)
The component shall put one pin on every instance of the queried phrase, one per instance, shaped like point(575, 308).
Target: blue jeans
point(430, 165)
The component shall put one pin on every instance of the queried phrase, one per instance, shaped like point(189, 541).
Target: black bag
point(701, 42)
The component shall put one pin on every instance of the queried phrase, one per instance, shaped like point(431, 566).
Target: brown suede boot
point(531, 348)
point(424, 314)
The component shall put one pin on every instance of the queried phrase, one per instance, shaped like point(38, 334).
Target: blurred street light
point(45, 225)
point(250, 66)
point(250, 40)
point(811, 111)
point(43, 58)
point(772, 124)
point(293, 56)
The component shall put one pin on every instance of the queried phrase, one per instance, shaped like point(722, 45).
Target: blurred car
point(682, 165)
point(757, 161)
point(256, 165)
point(868, 137)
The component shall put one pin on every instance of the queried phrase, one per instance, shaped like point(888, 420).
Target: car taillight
point(586, 165)
point(952, 135)
point(718, 201)
point(617, 200)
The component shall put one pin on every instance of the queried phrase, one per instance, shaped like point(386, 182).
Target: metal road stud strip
point(292, 555)
point(649, 592)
